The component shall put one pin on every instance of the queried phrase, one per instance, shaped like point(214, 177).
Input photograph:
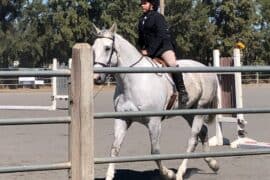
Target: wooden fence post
point(81, 130)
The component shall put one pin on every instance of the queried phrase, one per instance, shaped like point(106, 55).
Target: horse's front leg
point(120, 129)
point(154, 127)
point(196, 127)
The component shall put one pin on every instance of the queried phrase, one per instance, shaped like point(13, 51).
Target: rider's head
point(148, 5)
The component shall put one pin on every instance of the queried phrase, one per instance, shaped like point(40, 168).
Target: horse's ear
point(113, 29)
point(96, 28)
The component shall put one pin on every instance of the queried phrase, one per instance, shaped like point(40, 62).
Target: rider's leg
point(170, 58)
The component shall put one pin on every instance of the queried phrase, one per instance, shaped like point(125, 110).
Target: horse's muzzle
point(99, 79)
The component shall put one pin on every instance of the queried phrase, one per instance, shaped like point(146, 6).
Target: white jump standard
point(242, 141)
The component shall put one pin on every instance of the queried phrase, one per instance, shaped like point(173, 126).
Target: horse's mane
point(121, 38)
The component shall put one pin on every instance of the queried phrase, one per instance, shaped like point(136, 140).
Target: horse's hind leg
point(120, 130)
point(212, 163)
point(196, 127)
point(154, 127)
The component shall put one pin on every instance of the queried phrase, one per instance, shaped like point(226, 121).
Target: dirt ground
point(44, 144)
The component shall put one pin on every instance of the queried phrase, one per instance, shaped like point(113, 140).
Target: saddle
point(173, 97)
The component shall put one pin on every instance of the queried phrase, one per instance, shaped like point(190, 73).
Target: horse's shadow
point(124, 174)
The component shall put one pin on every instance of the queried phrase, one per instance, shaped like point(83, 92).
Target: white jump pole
point(69, 63)
point(239, 100)
point(54, 87)
point(218, 139)
point(238, 93)
point(242, 141)
point(55, 96)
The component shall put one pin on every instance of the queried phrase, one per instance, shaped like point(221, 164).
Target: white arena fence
point(82, 159)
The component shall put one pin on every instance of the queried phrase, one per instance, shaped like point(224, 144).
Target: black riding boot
point(179, 84)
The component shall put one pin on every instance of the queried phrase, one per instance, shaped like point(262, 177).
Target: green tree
point(192, 29)
point(29, 44)
point(236, 21)
point(10, 10)
point(125, 14)
point(69, 23)
point(203, 35)
point(34, 32)
point(264, 27)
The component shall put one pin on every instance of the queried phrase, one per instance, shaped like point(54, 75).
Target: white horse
point(152, 91)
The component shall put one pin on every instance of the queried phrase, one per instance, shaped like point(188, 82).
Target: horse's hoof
point(109, 178)
point(168, 175)
point(213, 164)
point(179, 177)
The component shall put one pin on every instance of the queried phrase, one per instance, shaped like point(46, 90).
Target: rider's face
point(146, 6)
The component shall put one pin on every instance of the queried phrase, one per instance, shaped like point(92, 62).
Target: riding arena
point(74, 143)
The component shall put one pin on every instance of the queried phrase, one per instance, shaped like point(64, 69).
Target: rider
point(155, 41)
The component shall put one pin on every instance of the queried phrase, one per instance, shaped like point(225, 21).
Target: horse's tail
point(214, 104)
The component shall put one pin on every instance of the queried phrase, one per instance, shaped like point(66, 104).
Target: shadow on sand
point(124, 174)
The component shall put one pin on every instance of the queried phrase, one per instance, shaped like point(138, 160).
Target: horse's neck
point(128, 55)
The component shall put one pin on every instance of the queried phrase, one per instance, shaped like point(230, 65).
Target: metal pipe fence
point(80, 144)
point(182, 156)
point(31, 168)
point(181, 112)
point(220, 70)
point(57, 73)
point(183, 69)
point(32, 121)
point(28, 121)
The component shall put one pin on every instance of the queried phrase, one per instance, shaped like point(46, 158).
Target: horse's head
point(104, 52)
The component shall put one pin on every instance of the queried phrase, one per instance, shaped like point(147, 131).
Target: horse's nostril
point(98, 80)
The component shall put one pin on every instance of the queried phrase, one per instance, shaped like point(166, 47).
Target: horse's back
point(203, 84)
point(189, 63)
point(192, 63)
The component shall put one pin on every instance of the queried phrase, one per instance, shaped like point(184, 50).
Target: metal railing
point(182, 156)
point(181, 112)
point(32, 121)
point(183, 69)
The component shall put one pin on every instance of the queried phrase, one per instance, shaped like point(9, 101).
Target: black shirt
point(154, 34)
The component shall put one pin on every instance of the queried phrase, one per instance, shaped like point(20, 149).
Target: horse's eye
point(107, 48)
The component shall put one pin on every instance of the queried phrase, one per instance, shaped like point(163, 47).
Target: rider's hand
point(144, 52)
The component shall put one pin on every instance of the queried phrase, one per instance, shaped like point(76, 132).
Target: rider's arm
point(140, 36)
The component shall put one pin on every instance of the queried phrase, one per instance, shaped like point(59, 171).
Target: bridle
point(109, 64)
point(113, 49)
